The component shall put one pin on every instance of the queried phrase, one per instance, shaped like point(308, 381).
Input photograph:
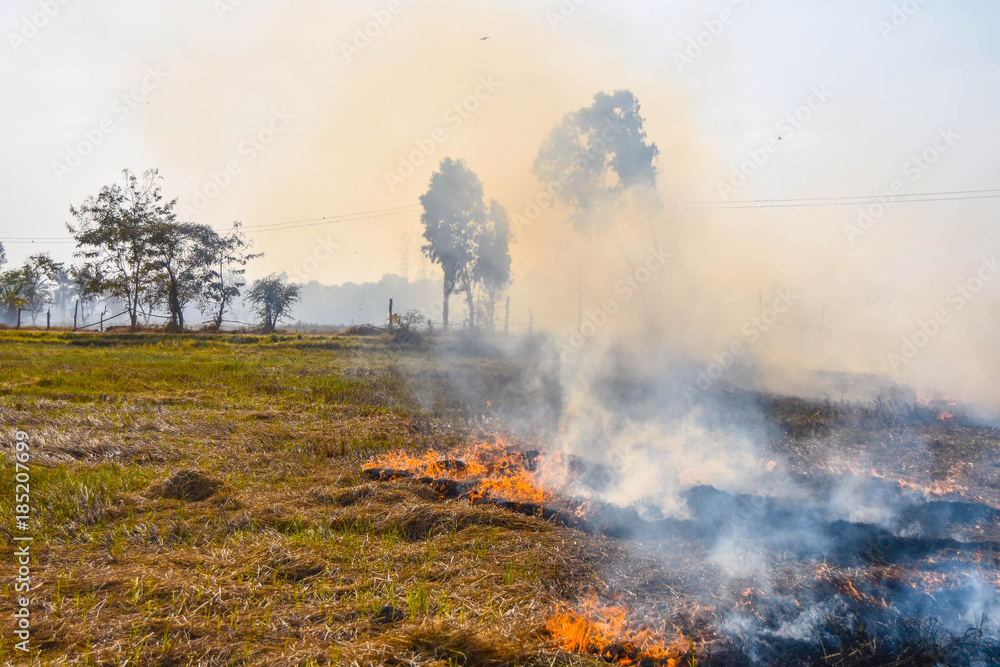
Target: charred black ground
point(917, 585)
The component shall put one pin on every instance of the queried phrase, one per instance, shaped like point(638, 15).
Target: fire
point(496, 469)
point(607, 632)
point(516, 488)
point(933, 488)
point(937, 398)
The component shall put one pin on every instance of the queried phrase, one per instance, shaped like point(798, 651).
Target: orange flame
point(499, 470)
point(607, 632)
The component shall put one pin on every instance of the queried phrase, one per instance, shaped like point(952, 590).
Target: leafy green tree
point(38, 280)
point(181, 263)
point(272, 299)
point(226, 257)
point(115, 232)
point(13, 284)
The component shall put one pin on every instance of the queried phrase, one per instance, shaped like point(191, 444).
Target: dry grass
point(203, 504)
point(199, 500)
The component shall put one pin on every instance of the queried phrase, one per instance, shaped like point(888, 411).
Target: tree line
point(132, 249)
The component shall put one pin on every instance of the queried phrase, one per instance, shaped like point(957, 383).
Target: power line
point(349, 217)
point(36, 240)
point(885, 199)
point(842, 198)
point(912, 198)
point(263, 227)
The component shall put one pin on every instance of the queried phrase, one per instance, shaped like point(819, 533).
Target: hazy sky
point(309, 117)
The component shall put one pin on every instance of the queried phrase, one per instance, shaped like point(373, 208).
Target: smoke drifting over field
point(371, 97)
point(868, 285)
point(762, 206)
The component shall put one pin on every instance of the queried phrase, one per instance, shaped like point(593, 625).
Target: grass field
point(292, 557)
point(200, 499)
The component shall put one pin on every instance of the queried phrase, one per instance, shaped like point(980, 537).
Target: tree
point(38, 277)
point(181, 262)
point(599, 155)
point(87, 284)
point(453, 210)
point(226, 258)
point(12, 291)
point(272, 299)
point(115, 233)
point(491, 270)
point(63, 290)
point(3, 256)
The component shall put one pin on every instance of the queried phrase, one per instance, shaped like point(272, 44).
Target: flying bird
point(483, 39)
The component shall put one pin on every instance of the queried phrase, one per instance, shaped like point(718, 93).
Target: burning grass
point(864, 594)
point(205, 500)
point(492, 469)
point(607, 632)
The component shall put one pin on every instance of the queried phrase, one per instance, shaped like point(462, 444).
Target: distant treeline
point(368, 303)
point(134, 253)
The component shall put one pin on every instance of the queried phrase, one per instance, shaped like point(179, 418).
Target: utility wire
point(910, 198)
point(838, 201)
point(852, 198)
point(350, 217)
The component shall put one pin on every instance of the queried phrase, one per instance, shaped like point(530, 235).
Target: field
point(292, 556)
point(201, 499)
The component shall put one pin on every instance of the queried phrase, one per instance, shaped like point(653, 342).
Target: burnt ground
point(787, 579)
